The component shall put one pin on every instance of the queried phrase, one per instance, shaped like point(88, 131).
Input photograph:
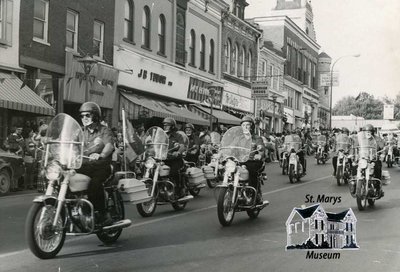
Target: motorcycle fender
point(47, 200)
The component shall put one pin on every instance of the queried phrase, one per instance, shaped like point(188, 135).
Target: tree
point(364, 105)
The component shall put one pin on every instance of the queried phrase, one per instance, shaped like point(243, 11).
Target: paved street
point(193, 240)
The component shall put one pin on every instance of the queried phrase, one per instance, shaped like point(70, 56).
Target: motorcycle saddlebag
point(195, 176)
point(132, 189)
point(208, 172)
point(385, 177)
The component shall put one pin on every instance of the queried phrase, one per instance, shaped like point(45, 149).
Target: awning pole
point(124, 138)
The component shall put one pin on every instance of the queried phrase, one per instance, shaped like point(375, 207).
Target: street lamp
point(274, 96)
point(88, 64)
point(331, 86)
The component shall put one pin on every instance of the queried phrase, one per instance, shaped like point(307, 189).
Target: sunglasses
point(87, 115)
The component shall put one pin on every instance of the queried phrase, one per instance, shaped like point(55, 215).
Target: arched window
point(129, 20)
point(249, 67)
point(212, 56)
point(227, 56)
point(202, 52)
point(161, 34)
point(192, 47)
point(234, 60)
point(146, 27)
point(242, 62)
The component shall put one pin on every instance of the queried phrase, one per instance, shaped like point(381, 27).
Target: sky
point(370, 28)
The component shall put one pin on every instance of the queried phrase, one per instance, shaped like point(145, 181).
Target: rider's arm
point(108, 141)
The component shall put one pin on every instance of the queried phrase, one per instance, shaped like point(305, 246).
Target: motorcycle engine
point(82, 215)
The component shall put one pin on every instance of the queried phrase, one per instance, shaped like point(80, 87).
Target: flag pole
point(124, 138)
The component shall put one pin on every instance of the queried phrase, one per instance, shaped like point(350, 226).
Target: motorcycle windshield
point(342, 142)
point(215, 138)
point(293, 142)
point(367, 147)
point(185, 139)
point(235, 143)
point(156, 143)
point(321, 139)
point(64, 142)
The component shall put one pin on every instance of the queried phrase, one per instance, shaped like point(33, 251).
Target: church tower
point(299, 11)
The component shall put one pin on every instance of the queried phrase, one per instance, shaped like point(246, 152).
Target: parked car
point(12, 169)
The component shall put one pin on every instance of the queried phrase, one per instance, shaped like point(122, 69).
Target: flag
point(358, 96)
point(133, 144)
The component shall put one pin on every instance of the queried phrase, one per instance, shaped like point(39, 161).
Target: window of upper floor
point(72, 30)
point(98, 39)
point(41, 21)
point(161, 35)
point(129, 20)
point(192, 48)
point(227, 56)
point(212, 57)
point(146, 27)
point(202, 52)
point(6, 22)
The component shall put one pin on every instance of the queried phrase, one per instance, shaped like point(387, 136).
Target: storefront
point(237, 100)
point(97, 83)
point(18, 103)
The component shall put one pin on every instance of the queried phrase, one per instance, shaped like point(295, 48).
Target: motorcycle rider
point(174, 159)
point(194, 144)
point(255, 162)
point(346, 151)
point(391, 141)
point(98, 146)
point(301, 154)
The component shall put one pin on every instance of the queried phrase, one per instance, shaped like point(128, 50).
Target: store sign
point(100, 82)
point(237, 102)
point(388, 112)
point(259, 89)
point(199, 90)
point(325, 79)
point(289, 115)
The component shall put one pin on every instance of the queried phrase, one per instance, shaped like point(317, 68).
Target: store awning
point(139, 104)
point(13, 97)
point(223, 117)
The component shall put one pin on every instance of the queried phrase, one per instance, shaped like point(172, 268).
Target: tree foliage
point(364, 105)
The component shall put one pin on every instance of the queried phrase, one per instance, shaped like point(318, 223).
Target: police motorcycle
point(64, 209)
point(213, 170)
point(364, 186)
point(295, 169)
point(343, 167)
point(156, 174)
point(235, 194)
point(389, 158)
point(312, 145)
point(192, 176)
point(320, 155)
point(284, 159)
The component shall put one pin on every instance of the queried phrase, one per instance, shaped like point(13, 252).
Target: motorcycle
point(235, 193)
point(64, 209)
point(364, 187)
point(389, 158)
point(295, 169)
point(156, 174)
point(213, 171)
point(343, 167)
point(320, 155)
point(192, 176)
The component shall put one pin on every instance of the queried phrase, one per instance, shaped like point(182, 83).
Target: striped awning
point(13, 97)
point(223, 117)
point(137, 106)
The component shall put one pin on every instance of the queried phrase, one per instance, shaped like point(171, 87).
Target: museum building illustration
point(313, 228)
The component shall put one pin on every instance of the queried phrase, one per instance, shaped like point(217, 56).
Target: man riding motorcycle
point(194, 144)
point(174, 158)
point(255, 162)
point(346, 151)
point(301, 154)
point(98, 149)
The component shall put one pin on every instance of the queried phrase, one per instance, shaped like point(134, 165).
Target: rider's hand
point(94, 156)
point(175, 154)
point(257, 157)
point(193, 152)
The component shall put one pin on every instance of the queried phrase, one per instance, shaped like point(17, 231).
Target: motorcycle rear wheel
point(371, 202)
point(117, 212)
point(225, 207)
point(194, 191)
point(179, 206)
point(253, 214)
point(44, 241)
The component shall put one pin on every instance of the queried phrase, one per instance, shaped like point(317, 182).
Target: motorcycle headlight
point(53, 171)
point(150, 162)
point(230, 166)
point(362, 163)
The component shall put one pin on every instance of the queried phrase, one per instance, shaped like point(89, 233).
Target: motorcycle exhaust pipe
point(120, 224)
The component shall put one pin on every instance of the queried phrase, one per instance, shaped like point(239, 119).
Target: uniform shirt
point(96, 139)
point(257, 142)
point(175, 137)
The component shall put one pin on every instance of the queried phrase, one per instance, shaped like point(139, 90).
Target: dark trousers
point(254, 167)
point(29, 175)
point(98, 171)
point(174, 173)
point(192, 157)
point(302, 160)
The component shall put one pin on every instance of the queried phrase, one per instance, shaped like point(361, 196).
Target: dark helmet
point(189, 125)
point(247, 119)
point(93, 108)
point(170, 121)
point(368, 127)
point(345, 130)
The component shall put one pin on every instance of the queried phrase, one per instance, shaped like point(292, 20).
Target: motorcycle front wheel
point(194, 191)
point(212, 183)
point(147, 209)
point(339, 175)
point(389, 161)
point(225, 206)
point(44, 240)
point(284, 167)
point(117, 212)
point(253, 214)
point(291, 173)
point(179, 206)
